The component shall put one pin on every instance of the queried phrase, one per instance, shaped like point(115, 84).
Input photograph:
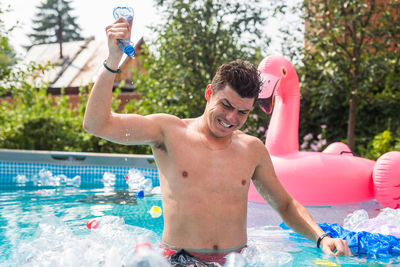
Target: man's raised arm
point(99, 120)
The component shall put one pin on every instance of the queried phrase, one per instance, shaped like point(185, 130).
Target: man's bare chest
point(200, 166)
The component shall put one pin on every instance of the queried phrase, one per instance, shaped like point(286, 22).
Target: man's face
point(227, 111)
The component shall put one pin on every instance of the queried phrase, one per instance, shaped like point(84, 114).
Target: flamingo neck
point(283, 131)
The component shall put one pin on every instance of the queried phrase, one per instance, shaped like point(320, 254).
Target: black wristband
point(111, 70)
point(320, 239)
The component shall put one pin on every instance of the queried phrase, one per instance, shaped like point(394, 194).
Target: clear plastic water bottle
point(235, 260)
point(145, 256)
point(126, 46)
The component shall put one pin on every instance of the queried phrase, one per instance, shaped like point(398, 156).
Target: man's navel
point(185, 174)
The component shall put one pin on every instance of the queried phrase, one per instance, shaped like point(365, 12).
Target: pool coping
point(78, 158)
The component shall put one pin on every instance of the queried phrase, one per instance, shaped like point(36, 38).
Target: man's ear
point(208, 92)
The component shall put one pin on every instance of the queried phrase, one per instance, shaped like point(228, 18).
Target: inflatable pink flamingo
point(318, 178)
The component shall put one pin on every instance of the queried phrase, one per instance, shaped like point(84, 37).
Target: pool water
point(48, 226)
point(22, 211)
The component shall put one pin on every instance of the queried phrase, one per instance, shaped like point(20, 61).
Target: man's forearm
point(298, 219)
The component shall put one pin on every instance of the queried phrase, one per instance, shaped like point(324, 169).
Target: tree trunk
point(352, 121)
point(60, 37)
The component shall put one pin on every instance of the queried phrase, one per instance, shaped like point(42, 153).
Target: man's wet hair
point(241, 75)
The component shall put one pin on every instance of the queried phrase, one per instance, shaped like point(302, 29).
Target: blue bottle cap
point(129, 50)
point(139, 194)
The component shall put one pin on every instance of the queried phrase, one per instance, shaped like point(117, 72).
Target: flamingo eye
point(284, 71)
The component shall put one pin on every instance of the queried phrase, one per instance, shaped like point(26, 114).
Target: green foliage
point(382, 143)
point(50, 16)
point(7, 53)
point(196, 38)
point(35, 120)
point(350, 69)
point(350, 51)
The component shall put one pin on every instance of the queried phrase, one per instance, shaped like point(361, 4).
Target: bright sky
point(94, 15)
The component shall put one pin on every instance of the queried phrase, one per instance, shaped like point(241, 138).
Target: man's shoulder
point(254, 147)
point(167, 121)
point(250, 141)
point(248, 138)
point(165, 118)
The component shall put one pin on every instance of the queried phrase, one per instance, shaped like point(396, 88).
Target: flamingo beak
point(265, 97)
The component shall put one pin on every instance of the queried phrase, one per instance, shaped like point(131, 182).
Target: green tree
point(351, 56)
point(53, 23)
point(196, 38)
point(7, 52)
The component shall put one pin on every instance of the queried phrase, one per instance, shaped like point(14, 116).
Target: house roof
point(80, 64)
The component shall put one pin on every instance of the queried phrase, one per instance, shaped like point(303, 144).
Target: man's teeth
point(224, 124)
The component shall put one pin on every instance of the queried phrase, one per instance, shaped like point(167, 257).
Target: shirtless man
point(205, 164)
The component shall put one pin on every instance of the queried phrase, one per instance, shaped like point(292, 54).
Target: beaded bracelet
point(111, 70)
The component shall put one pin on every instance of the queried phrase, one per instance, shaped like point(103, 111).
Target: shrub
point(35, 120)
point(382, 143)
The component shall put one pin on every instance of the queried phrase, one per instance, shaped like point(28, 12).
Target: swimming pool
point(47, 224)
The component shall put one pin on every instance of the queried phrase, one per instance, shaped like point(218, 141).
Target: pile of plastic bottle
point(387, 222)
point(46, 178)
point(110, 243)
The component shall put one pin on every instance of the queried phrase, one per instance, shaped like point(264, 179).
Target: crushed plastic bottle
point(21, 180)
point(126, 46)
point(137, 181)
point(76, 181)
point(235, 259)
point(257, 254)
point(156, 190)
point(108, 179)
point(353, 219)
point(46, 178)
point(145, 256)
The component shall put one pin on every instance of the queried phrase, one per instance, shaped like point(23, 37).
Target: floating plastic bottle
point(126, 46)
point(109, 180)
point(155, 211)
point(146, 256)
point(21, 180)
point(235, 260)
point(138, 182)
point(92, 224)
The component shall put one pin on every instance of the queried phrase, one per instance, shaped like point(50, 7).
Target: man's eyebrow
point(227, 102)
point(230, 105)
